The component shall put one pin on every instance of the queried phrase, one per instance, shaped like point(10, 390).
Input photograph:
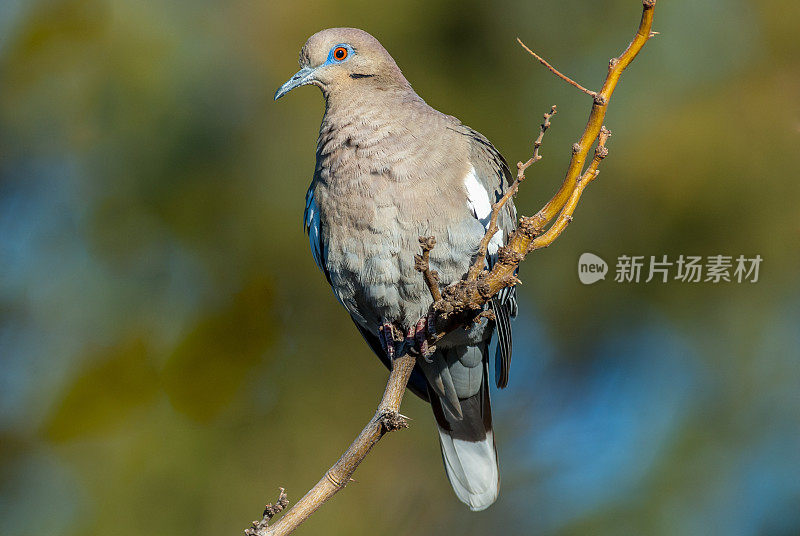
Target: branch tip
point(422, 264)
point(261, 528)
point(427, 242)
point(556, 72)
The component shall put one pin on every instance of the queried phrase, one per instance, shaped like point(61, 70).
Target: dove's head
point(344, 59)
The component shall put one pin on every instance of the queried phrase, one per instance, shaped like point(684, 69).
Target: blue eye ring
point(339, 53)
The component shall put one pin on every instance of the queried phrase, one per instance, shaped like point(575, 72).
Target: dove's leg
point(386, 336)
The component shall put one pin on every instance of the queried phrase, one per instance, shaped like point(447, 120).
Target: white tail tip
point(472, 469)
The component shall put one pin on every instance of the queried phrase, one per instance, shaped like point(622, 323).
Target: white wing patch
point(481, 206)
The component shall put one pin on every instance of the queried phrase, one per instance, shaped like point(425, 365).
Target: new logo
point(591, 268)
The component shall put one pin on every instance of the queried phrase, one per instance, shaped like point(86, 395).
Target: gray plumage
point(389, 169)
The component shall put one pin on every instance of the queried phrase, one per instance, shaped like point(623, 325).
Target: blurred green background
point(169, 354)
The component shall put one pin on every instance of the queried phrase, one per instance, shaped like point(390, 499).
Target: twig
point(386, 419)
point(522, 166)
point(480, 259)
point(259, 527)
point(422, 264)
point(556, 72)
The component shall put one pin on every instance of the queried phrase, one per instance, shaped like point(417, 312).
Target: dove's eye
point(340, 53)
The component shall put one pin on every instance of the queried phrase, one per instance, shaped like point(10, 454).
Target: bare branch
point(596, 117)
point(463, 300)
point(386, 419)
point(422, 265)
point(565, 218)
point(521, 167)
point(556, 72)
point(480, 260)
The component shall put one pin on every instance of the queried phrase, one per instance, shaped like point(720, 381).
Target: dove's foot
point(417, 337)
point(415, 341)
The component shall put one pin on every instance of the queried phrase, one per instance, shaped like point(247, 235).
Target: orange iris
point(340, 53)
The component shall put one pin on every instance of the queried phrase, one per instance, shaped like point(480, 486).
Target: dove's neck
point(367, 118)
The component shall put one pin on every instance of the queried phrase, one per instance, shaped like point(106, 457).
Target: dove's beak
point(301, 78)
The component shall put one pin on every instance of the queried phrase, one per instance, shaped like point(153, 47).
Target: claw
point(411, 333)
point(417, 338)
point(421, 337)
point(414, 340)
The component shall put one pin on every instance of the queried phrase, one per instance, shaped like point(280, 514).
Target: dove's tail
point(468, 448)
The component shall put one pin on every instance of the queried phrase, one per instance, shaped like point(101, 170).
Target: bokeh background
point(169, 354)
